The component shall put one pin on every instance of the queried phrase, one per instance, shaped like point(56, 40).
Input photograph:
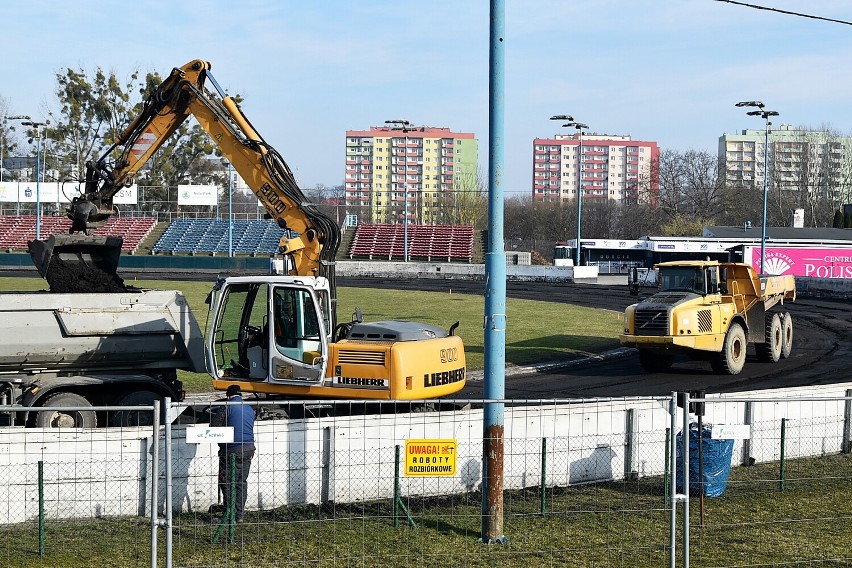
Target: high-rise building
point(612, 168)
point(797, 158)
point(429, 165)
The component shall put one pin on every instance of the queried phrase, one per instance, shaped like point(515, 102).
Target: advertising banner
point(127, 196)
point(814, 263)
point(198, 195)
point(27, 192)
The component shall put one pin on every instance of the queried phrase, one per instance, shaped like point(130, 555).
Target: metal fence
point(585, 483)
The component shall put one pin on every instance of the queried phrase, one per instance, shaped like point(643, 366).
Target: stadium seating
point(16, 231)
point(194, 236)
point(430, 242)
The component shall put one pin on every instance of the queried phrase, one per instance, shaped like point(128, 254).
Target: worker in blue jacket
point(241, 418)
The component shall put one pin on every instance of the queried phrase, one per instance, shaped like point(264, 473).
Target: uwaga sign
point(430, 457)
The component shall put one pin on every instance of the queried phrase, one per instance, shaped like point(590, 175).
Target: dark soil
point(75, 277)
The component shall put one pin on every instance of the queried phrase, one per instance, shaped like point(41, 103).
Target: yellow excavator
point(274, 335)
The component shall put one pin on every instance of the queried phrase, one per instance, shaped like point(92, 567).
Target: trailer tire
point(733, 355)
point(655, 362)
point(145, 417)
point(773, 340)
point(786, 334)
point(66, 418)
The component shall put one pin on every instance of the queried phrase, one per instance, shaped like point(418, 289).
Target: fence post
point(783, 444)
point(396, 487)
point(397, 495)
point(685, 496)
point(630, 455)
point(847, 423)
point(41, 508)
point(543, 476)
point(167, 402)
point(672, 455)
point(748, 418)
point(155, 474)
point(666, 469)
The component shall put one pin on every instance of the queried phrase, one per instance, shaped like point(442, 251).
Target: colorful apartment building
point(798, 158)
point(424, 165)
point(611, 168)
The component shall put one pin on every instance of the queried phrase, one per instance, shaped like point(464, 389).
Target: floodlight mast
point(764, 114)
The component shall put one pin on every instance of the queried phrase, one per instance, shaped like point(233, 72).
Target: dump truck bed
point(145, 329)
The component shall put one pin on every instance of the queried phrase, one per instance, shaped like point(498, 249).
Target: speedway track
point(821, 355)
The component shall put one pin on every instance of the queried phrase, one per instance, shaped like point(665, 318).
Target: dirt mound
point(75, 277)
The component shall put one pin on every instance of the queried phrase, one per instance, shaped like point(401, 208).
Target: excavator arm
point(313, 247)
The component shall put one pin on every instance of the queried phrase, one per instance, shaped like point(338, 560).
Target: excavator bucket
point(78, 263)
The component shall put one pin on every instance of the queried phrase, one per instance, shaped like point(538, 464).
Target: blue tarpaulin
point(717, 463)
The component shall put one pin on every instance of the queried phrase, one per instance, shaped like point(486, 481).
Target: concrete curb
point(518, 370)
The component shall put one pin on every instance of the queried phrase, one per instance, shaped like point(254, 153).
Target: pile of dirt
point(78, 278)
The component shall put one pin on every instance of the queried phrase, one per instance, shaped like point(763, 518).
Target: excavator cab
point(78, 263)
point(273, 330)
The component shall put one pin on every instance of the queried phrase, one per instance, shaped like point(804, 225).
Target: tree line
point(91, 109)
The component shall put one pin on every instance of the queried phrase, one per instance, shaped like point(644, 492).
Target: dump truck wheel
point(732, 358)
point(773, 340)
point(142, 417)
point(654, 362)
point(786, 334)
point(66, 418)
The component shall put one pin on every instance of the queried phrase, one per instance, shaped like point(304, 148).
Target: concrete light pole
point(404, 126)
point(764, 114)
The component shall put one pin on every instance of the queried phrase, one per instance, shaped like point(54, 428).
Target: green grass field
point(536, 331)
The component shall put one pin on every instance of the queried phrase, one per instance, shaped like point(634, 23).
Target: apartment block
point(389, 171)
point(610, 168)
point(797, 158)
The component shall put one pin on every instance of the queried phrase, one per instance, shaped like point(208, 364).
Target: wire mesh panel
point(786, 501)
point(75, 496)
point(352, 484)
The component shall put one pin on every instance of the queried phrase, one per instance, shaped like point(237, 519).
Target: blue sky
point(663, 70)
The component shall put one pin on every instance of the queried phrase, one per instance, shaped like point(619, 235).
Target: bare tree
point(466, 203)
point(692, 190)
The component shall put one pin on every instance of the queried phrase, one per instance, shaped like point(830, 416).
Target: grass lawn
point(536, 331)
point(617, 523)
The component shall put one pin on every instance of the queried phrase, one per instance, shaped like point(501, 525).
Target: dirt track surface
point(821, 354)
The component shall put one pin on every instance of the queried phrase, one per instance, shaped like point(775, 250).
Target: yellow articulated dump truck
point(711, 311)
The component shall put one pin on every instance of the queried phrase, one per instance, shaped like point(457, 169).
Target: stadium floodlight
point(764, 114)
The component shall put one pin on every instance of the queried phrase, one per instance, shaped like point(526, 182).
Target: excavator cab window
point(298, 336)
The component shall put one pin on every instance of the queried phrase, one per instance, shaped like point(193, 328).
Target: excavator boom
point(312, 239)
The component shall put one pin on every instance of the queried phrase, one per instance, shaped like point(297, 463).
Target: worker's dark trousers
point(243, 456)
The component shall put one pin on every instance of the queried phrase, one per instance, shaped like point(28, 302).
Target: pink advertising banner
point(815, 263)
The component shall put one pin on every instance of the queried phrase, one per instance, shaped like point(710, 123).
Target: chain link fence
point(74, 496)
point(585, 483)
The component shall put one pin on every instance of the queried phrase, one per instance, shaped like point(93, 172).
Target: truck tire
point(786, 334)
point(732, 358)
point(142, 417)
point(773, 340)
point(654, 362)
point(66, 418)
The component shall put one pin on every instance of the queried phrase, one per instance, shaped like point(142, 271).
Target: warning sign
point(430, 457)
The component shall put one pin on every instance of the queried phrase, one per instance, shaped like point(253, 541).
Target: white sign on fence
point(209, 434)
point(126, 196)
point(730, 432)
point(198, 195)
